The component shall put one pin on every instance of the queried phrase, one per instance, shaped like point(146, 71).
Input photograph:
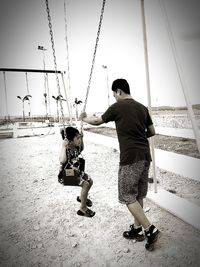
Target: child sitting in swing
point(72, 168)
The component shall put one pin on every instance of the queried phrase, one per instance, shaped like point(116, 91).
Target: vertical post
point(48, 95)
point(108, 87)
point(181, 76)
point(27, 88)
point(23, 110)
point(45, 81)
point(107, 83)
point(6, 97)
point(57, 110)
point(68, 100)
point(148, 89)
point(45, 91)
point(68, 66)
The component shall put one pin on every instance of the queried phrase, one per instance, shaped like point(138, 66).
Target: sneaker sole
point(139, 239)
point(151, 247)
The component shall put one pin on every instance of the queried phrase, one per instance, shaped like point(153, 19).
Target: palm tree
point(25, 98)
point(58, 98)
point(76, 103)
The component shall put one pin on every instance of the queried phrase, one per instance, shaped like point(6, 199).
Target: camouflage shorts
point(133, 181)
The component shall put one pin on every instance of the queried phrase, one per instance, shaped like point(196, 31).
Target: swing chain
point(94, 55)
point(54, 56)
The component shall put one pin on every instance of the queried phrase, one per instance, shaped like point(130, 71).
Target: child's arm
point(63, 157)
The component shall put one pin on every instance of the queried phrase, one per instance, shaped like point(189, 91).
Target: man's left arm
point(150, 131)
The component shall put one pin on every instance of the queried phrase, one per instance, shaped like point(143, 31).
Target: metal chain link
point(93, 60)
point(94, 55)
point(54, 57)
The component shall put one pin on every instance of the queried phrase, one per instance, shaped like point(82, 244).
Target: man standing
point(134, 126)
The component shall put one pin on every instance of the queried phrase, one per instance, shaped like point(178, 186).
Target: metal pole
point(45, 90)
point(27, 88)
point(148, 89)
point(23, 110)
point(31, 70)
point(44, 67)
point(47, 83)
point(67, 100)
point(57, 111)
point(181, 76)
point(6, 97)
point(108, 88)
point(68, 66)
point(107, 81)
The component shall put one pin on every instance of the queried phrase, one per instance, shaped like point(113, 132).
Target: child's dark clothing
point(75, 164)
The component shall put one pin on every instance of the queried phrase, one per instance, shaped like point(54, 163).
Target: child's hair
point(69, 133)
point(121, 84)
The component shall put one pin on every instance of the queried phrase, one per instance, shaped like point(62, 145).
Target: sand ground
point(39, 225)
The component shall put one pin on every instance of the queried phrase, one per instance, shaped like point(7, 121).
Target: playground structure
point(29, 123)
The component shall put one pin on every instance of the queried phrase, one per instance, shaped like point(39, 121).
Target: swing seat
point(69, 177)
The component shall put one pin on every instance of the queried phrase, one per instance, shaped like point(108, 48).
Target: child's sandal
point(88, 201)
point(87, 213)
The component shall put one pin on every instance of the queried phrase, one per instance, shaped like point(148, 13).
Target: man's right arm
point(93, 120)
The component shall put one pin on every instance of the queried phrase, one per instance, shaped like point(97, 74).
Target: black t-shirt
point(131, 119)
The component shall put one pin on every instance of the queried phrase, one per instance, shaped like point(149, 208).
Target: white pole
point(27, 89)
point(47, 85)
point(181, 76)
point(148, 90)
point(67, 100)
point(68, 66)
point(6, 97)
point(108, 87)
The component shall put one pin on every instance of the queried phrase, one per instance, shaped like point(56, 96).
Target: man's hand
point(82, 116)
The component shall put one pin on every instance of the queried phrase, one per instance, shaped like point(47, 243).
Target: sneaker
point(152, 237)
point(134, 233)
point(88, 201)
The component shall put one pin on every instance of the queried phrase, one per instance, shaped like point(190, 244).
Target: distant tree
point(58, 98)
point(76, 103)
point(25, 98)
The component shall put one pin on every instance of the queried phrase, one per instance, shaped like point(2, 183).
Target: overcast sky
point(24, 26)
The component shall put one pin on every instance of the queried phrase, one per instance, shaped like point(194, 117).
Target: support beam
point(146, 57)
point(30, 70)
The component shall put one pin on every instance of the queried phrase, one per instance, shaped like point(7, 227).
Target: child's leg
point(84, 211)
point(88, 201)
point(84, 193)
point(90, 181)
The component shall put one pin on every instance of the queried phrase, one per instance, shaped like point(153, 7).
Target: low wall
point(174, 120)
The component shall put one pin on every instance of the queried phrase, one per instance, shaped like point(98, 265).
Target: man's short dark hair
point(121, 84)
point(69, 133)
